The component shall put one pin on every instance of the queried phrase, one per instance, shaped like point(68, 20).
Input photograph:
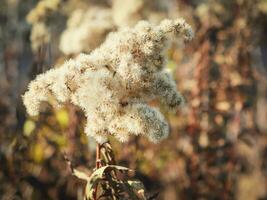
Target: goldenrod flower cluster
point(114, 83)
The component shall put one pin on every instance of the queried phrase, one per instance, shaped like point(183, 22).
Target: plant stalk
point(97, 165)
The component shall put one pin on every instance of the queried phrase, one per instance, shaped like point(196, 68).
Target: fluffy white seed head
point(129, 12)
point(113, 84)
point(86, 29)
point(40, 36)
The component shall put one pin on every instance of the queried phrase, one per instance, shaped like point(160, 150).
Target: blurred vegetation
point(218, 144)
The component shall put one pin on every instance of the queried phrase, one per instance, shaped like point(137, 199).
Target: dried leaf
point(98, 175)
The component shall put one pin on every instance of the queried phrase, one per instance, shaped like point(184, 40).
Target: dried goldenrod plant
point(114, 83)
point(86, 30)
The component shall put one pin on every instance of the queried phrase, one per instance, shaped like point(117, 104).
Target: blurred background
point(218, 143)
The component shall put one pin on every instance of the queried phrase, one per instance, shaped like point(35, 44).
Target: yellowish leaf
point(62, 117)
point(28, 127)
point(37, 153)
